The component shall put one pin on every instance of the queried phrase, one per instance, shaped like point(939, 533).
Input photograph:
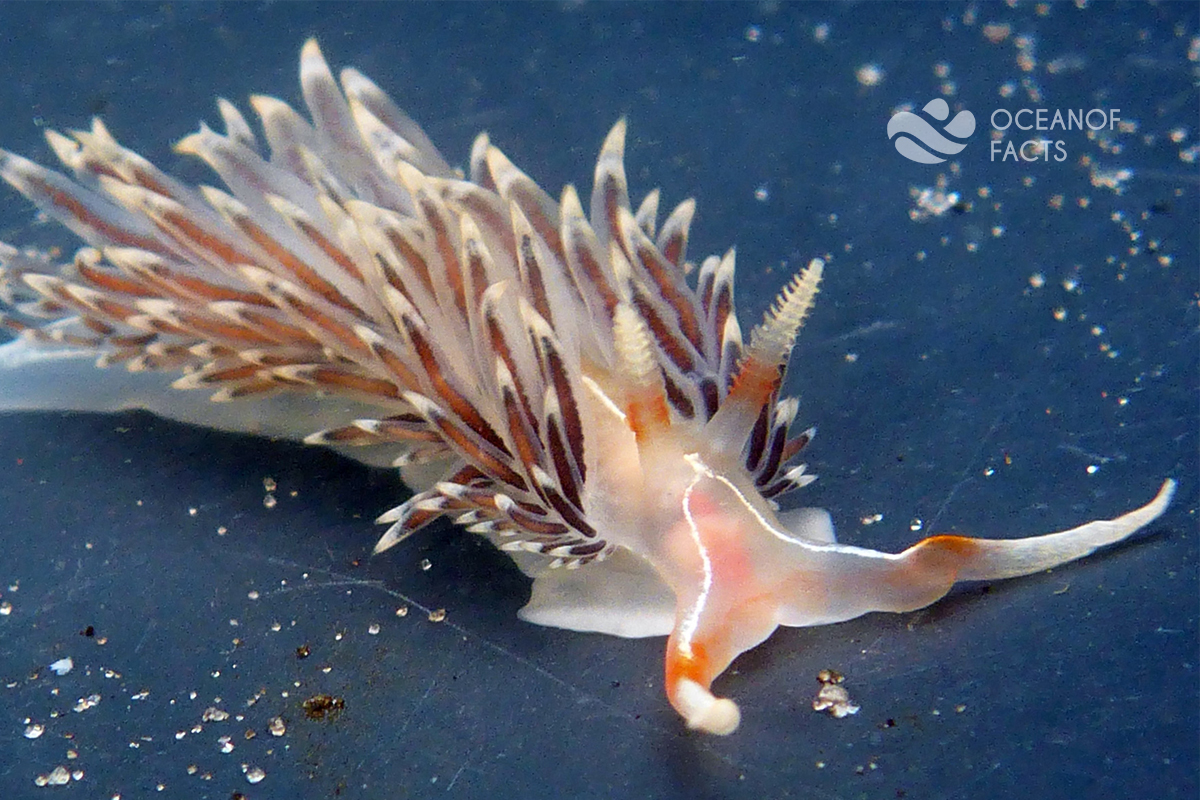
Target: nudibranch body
point(550, 379)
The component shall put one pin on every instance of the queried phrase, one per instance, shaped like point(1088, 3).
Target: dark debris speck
point(320, 706)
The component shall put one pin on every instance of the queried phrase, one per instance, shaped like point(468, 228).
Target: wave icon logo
point(905, 125)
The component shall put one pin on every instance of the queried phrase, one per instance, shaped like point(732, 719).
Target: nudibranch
point(551, 379)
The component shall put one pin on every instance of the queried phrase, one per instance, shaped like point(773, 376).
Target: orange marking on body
point(721, 539)
point(755, 382)
point(692, 666)
point(962, 545)
point(647, 414)
point(701, 506)
point(934, 562)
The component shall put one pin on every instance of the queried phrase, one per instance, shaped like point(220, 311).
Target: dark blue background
point(1078, 683)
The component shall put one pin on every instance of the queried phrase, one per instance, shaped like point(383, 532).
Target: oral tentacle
point(723, 606)
point(689, 677)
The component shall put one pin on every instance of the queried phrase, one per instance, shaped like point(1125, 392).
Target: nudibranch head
point(738, 570)
point(709, 532)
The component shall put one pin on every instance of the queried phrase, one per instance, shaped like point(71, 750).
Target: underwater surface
point(1000, 348)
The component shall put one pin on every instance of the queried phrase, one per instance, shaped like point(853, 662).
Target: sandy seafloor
point(948, 396)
